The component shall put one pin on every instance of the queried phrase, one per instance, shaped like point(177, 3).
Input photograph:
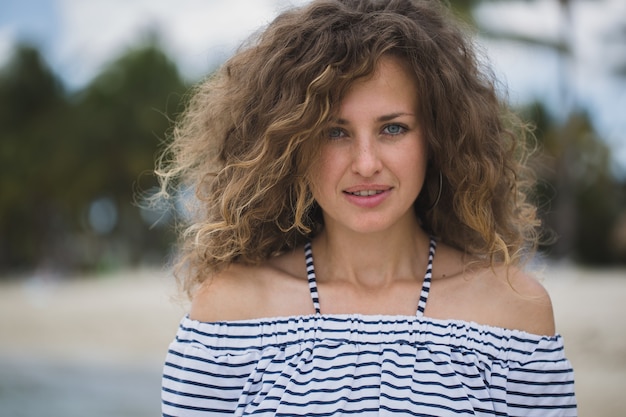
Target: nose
point(366, 160)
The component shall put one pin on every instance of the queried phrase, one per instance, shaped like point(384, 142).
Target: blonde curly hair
point(251, 130)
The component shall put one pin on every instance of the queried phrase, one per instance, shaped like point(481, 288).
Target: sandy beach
point(95, 346)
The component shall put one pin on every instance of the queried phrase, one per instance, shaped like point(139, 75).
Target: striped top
point(365, 365)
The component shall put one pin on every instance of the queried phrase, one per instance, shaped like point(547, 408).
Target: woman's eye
point(394, 129)
point(335, 133)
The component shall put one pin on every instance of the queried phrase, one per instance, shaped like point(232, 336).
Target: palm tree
point(565, 138)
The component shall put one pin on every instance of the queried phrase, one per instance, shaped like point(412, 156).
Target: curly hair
point(251, 130)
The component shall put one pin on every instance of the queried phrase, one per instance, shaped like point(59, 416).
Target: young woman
point(359, 229)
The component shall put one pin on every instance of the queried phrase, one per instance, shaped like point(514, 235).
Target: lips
point(367, 190)
point(368, 195)
point(365, 193)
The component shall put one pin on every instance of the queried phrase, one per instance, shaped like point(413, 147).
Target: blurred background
point(88, 94)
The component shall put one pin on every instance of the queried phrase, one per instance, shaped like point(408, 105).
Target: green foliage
point(579, 197)
point(31, 101)
point(60, 153)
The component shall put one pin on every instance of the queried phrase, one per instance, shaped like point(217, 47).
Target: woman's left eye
point(394, 129)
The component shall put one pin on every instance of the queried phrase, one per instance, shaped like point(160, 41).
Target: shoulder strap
point(310, 271)
point(421, 307)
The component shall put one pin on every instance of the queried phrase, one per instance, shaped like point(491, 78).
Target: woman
point(359, 229)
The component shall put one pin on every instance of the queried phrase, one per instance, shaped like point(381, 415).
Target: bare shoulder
point(523, 302)
point(242, 292)
point(228, 295)
point(503, 295)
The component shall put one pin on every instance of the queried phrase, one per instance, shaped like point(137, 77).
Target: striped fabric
point(334, 365)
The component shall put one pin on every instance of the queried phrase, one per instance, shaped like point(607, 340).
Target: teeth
point(366, 193)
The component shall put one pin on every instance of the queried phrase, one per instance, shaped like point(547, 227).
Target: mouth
point(365, 193)
point(367, 196)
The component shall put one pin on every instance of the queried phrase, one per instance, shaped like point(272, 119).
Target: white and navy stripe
point(310, 271)
point(333, 365)
point(427, 278)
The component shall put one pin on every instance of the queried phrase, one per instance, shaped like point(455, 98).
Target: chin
point(371, 227)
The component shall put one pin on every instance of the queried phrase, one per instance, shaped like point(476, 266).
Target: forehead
point(388, 69)
point(391, 83)
point(393, 65)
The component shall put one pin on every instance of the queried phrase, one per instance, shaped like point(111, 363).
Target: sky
point(79, 37)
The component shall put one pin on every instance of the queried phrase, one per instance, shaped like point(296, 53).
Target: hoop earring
point(438, 192)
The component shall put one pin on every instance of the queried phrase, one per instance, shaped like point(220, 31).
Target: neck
point(371, 260)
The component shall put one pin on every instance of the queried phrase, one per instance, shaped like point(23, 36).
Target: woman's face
point(373, 161)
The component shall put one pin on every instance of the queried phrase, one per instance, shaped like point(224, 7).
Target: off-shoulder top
point(364, 365)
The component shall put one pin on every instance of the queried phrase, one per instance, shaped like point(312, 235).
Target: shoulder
point(242, 292)
point(524, 304)
point(502, 296)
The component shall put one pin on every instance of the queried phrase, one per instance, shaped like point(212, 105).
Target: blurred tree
point(119, 122)
point(465, 10)
point(598, 197)
point(71, 164)
point(31, 104)
point(584, 208)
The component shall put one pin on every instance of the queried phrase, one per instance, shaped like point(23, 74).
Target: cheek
point(414, 158)
point(324, 170)
point(316, 176)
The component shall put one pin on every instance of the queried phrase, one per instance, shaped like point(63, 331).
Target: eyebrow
point(380, 119)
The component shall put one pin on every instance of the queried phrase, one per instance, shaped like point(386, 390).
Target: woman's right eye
point(335, 133)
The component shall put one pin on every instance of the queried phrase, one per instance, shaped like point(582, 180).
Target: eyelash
point(403, 129)
point(340, 133)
